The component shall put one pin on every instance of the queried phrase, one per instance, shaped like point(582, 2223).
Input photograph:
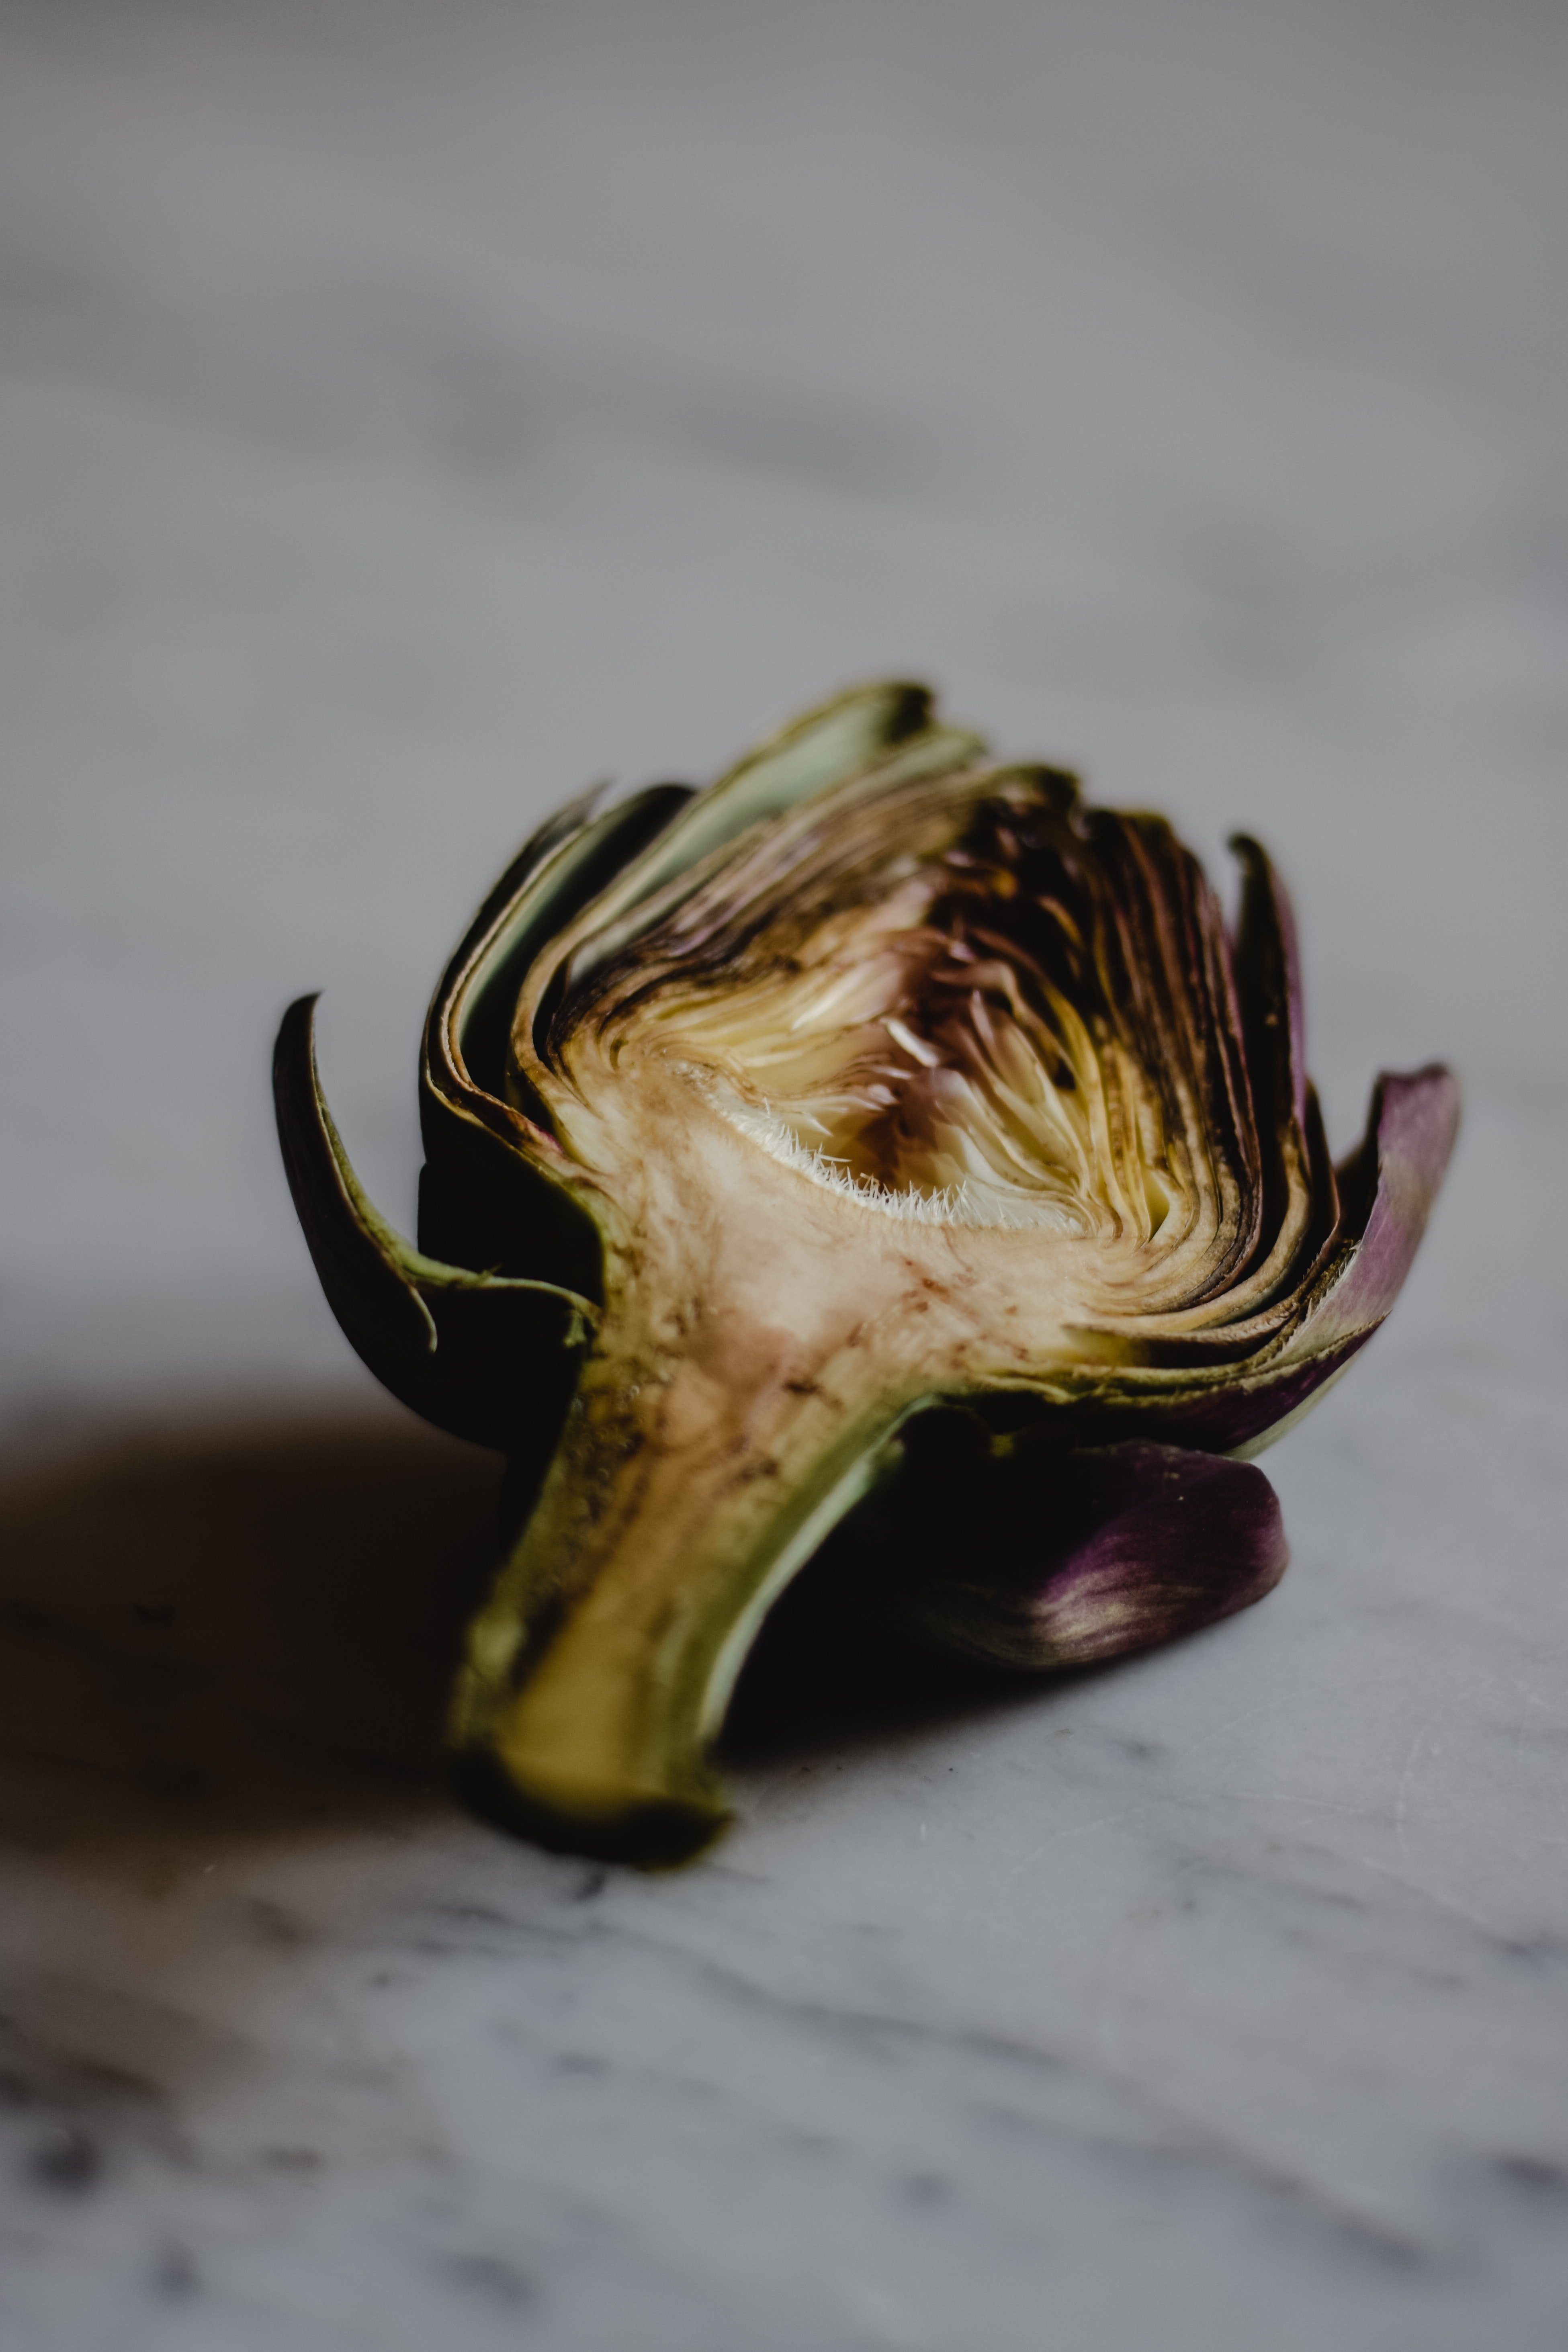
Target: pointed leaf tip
point(487, 1357)
point(1389, 1186)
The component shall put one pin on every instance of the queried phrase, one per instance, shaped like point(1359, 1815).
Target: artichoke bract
point(878, 1131)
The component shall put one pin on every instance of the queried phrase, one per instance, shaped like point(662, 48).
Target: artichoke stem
point(704, 1459)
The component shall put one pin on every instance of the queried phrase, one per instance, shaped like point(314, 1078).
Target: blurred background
point(413, 411)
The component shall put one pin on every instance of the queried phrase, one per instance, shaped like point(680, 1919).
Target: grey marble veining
point(407, 413)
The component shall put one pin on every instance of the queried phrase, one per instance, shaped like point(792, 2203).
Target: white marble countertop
point(408, 413)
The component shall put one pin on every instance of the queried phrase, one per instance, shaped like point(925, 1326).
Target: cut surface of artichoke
point(876, 1077)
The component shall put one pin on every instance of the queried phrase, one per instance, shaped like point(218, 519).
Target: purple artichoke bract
point(878, 1131)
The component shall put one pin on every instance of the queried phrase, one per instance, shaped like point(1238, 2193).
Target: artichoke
point(881, 1131)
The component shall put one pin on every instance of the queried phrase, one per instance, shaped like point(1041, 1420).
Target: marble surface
point(408, 412)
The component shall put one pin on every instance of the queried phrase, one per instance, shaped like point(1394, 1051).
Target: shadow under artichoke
point(245, 1626)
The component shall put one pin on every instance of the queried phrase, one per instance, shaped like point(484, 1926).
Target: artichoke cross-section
point(878, 1132)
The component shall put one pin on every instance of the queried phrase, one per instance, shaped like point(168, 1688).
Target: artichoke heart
point(879, 1131)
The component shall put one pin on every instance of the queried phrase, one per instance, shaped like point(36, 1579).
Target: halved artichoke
point(878, 1117)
